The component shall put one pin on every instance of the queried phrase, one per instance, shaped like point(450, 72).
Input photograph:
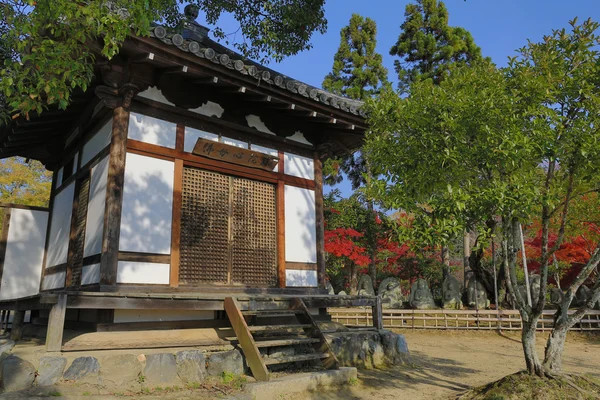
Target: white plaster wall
point(266, 150)
point(152, 130)
point(299, 137)
point(192, 135)
point(147, 205)
point(209, 109)
point(60, 227)
point(94, 226)
point(54, 281)
point(301, 278)
point(234, 142)
point(302, 167)
point(255, 122)
point(24, 254)
point(154, 93)
point(90, 274)
point(75, 161)
point(97, 143)
point(300, 225)
point(142, 272)
point(161, 315)
point(59, 175)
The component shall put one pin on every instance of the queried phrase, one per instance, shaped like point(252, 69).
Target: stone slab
point(160, 368)
point(17, 374)
point(300, 383)
point(191, 366)
point(50, 371)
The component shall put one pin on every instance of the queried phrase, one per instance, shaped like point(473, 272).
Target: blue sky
point(498, 27)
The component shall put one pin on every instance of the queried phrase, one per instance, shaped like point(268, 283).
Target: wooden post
point(56, 324)
point(4, 239)
point(280, 207)
point(16, 333)
point(176, 223)
point(2, 316)
point(377, 314)
point(320, 221)
point(114, 197)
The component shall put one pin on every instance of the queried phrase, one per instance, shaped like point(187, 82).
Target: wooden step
point(262, 328)
point(299, 357)
point(285, 342)
point(270, 313)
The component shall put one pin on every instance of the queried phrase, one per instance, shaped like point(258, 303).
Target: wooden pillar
point(176, 223)
point(2, 316)
point(280, 206)
point(377, 314)
point(320, 221)
point(16, 333)
point(56, 324)
point(114, 197)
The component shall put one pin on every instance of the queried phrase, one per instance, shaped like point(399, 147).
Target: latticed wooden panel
point(254, 246)
point(78, 244)
point(204, 250)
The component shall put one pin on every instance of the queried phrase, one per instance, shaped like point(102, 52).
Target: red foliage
point(341, 243)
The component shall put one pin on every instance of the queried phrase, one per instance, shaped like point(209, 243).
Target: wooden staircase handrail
point(246, 340)
point(331, 361)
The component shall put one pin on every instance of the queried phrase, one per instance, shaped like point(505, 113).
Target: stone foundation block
point(17, 374)
point(160, 369)
point(51, 370)
point(228, 361)
point(191, 366)
point(121, 372)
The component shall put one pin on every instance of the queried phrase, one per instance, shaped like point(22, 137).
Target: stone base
point(299, 383)
point(369, 349)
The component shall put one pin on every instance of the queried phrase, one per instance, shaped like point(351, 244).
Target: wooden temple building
point(186, 181)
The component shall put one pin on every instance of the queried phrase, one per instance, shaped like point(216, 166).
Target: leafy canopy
point(24, 183)
point(48, 46)
point(427, 45)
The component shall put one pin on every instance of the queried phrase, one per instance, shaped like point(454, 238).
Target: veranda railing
point(455, 319)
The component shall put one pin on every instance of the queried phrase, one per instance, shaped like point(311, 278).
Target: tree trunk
point(466, 254)
point(353, 279)
point(446, 259)
point(554, 348)
point(534, 367)
point(372, 243)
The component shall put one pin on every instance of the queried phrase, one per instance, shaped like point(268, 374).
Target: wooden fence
point(509, 320)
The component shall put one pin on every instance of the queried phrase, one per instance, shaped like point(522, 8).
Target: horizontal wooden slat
point(270, 328)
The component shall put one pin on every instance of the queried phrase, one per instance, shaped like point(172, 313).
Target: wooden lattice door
point(227, 230)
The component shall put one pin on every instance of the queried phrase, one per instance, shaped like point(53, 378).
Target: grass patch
point(353, 382)
point(232, 380)
point(55, 393)
point(523, 386)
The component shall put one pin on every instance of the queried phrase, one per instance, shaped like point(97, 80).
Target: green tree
point(24, 182)
point(51, 43)
point(358, 70)
point(427, 45)
point(357, 73)
point(512, 145)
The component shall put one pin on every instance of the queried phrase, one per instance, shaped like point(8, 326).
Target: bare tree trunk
point(446, 259)
point(554, 348)
point(534, 366)
point(372, 243)
point(466, 254)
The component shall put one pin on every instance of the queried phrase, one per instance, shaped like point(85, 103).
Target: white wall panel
point(24, 254)
point(255, 122)
point(54, 281)
point(209, 109)
point(97, 143)
point(60, 227)
point(59, 175)
point(301, 278)
point(90, 274)
point(299, 137)
point(142, 272)
point(302, 167)
point(94, 226)
point(75, 161)
point(147, 205)
point(266, 150)
point(300, 225)
point(152, 130)
point(161, 315)
point(154, 93)
point(192, 135)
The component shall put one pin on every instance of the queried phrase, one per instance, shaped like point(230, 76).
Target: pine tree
point(358, 71)
point(427, 45)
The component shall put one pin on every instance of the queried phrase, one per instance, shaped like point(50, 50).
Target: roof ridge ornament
point(192, 30)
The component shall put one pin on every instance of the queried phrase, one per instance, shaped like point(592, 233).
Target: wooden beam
point(114, 197)
point(176, 223)
point(251, 352)
point(4, 239)
point(320, 221)
point(302, 266)
point(56, 324)
point(280, 206)
point(144, 257)
point(130, 303)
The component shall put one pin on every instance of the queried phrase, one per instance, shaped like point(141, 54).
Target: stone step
point(285, 342)
point(263, 328)
point(272, 313)
point(299, 357)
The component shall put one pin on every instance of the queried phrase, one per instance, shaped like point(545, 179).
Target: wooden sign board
point(235, 155)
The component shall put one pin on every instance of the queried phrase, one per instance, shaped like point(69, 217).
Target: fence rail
point(509, 320)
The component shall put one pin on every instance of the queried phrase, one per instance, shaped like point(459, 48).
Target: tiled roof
point(212, 51)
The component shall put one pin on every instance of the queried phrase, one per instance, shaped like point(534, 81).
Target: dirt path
point(448, 363)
